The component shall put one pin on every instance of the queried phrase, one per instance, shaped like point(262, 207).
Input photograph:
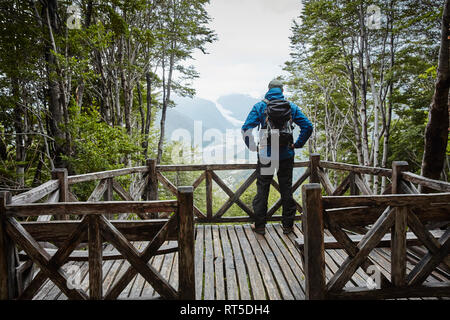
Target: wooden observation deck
point(347, 243)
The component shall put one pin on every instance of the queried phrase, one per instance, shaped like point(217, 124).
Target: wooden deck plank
point(385, 264)
point(289, 241)
point(243, 279)
point(291, 254)
point(43, 290)
point(148, 290)
point(136, 290)
point(111, 276)
point(439, 275)
point(236, 264)
point(199, 245)
point(328, 271)
point(173, 278)
point(280, 271)
point(433, 277)
point(230, 274)
point(359, 278)
point(279, 268)
point(256, 284)
point(125, 292)
point(218, 264)
point(166, 268)
point(84, 269)
point(267, 276)
point(209, 265)
point(293, 283)
point(140, 284)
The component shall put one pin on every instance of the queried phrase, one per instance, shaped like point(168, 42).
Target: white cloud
point(252, 47)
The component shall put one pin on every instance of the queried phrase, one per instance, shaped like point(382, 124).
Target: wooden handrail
point(104, 174)
point(354, 179)
point(430, 183)
point(417, 200)
point(389, 217)
point(37, 193)
point(81, 208)
point(95, 229)
point(355, 168)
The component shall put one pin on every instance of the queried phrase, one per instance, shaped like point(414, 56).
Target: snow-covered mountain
point(213, 127)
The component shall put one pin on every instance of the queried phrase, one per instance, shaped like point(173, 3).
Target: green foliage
point(97, 145)
point(70, 92)
point(327, 52)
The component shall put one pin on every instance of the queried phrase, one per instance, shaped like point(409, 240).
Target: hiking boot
point(260, 230)
point(287, 230)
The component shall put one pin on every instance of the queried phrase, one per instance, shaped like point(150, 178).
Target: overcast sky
point(252, 46)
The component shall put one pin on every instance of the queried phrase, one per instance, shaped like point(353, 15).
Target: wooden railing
point(339, 197)
point(354, 179)
point(93, 229)
point(383, 221)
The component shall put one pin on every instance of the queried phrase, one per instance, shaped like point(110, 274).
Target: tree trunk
point(148, 117)
point(388, 115)
point(127, 91)
point(166, 99)
point(363, 83)
point(19, 117)
point(355, 112)
point(54, 103)
point(436, 132)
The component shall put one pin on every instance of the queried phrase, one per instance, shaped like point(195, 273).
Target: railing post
point(314, 167)
point(60, 174)
point(398, 231)
point(95, 258)
point(8, 283)
point(209, 198)
point(353, 187)
point(186, 243)
point(108, 195)
point(151, 191)
point(314, 161)
point(314, 241)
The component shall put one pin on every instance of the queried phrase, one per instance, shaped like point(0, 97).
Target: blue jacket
point(257, 117)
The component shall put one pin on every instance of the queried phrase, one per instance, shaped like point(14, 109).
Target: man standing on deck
point(280, 158)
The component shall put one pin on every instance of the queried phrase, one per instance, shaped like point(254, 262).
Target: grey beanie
point(275, 84)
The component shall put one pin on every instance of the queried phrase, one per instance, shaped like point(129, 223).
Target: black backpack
point(278, 115)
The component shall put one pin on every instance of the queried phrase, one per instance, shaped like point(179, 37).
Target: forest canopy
point(82, 81)
point(366, 71)
point(86, 84)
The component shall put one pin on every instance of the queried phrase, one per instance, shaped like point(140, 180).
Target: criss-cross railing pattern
point(385, 220)
point(348, 200)
point(209, 175)
point(94, 229)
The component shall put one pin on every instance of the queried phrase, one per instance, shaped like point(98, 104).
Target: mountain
point(194, 113)
point(203, 110)
point(238, 105)
point(228, 113)
point(196, 116)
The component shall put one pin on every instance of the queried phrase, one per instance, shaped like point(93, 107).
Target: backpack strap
point(265, 112)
